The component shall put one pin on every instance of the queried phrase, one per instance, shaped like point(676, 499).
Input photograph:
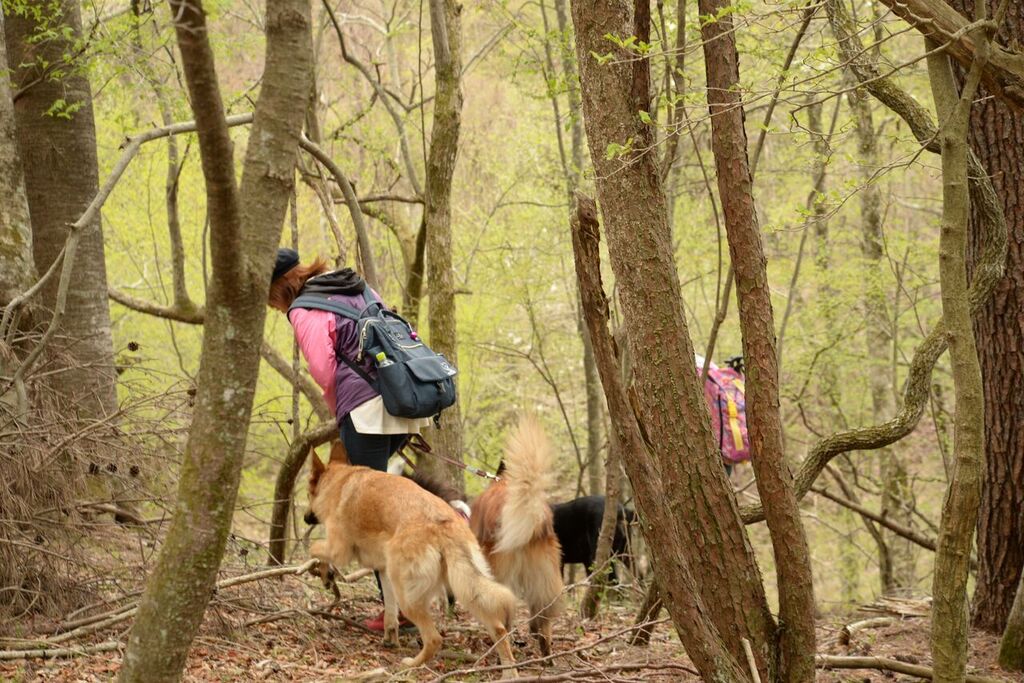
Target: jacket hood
point(344, 281)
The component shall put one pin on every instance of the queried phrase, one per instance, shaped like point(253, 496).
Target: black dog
point(578, 524)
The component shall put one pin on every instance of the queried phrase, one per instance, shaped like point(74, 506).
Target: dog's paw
point(391, 637)
point(408, 662)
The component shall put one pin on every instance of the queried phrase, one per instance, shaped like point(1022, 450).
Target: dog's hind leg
point(419, 614)
point(540, 627)
point(390, 610)
point(502, 643)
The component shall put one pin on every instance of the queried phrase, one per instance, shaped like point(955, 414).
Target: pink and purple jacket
point(322, 335)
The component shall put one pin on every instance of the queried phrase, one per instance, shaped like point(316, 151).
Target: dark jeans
point(371, 450)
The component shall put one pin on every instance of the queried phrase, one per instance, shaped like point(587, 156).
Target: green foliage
point(519, 344)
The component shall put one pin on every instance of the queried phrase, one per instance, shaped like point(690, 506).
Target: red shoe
point(376, 624)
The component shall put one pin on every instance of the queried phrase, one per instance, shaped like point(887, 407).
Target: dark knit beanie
point(286, 260)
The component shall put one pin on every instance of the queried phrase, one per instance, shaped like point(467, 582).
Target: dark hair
point(284, 289)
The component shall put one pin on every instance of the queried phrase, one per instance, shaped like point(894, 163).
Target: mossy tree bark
point(997, 138)
point(57, 142)
point(245, 225)
point(960, 507)
point(17, 271)
point(446, 34)
point(1011, 649)
point(16, 267)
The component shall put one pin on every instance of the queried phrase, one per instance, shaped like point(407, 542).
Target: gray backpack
point(413, 380)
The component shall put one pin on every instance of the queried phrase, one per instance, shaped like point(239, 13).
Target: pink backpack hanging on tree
point(724, 393)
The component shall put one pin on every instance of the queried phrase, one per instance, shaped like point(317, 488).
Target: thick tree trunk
point(997, 138)
point(960, 507)
point(17, 271)
point(676, 558)
point(690, 513)
point(16, 267)
point(245, 229)
point(58, 152)
point(446, 33)
point(774, 479)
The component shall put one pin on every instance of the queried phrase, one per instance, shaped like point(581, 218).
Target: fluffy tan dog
point(513, 522)
point(419, 544)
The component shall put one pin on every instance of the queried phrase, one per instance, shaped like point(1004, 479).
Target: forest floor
point(278, 629)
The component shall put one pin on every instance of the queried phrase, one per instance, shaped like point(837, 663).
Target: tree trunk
point(17, 271)
point(657, 496)
point(746, 251)
point(1011, 649)
point(16, 268)
point(960, 507)
point(997, 138)
point(57, 140)
point(245, 228)
point(698, 536)
point(446, 33)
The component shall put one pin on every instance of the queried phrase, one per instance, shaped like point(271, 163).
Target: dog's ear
point(501, 468)
point(339, 454)
point(316, 468)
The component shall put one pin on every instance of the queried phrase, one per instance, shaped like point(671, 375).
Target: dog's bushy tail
point(528, 478)
point(474, 586)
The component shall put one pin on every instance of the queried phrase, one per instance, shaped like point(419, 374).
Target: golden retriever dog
point(417, 542)
point(513, 522)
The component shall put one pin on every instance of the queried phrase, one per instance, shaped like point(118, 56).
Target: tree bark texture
point(676, 558)
point(57, 143)
point(16, 266)
point(245, 228)
point(997, 138)
point(960, 507)
point(446, 33)
point(692, 490)
point(746, 251)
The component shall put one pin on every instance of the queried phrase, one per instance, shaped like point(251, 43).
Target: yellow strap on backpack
point(734, 423)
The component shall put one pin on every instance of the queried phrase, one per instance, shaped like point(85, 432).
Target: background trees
point(57, 144)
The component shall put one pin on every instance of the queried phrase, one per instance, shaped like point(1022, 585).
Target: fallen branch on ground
point(463, 673)
point(600, 673)
point(848, 631)
point(128, 611)
point(883, 664)
point(50, 653)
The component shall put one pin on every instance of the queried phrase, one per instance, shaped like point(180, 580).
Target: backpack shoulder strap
point(323, 304)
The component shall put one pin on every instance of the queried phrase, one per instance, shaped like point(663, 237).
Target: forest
point(728, 295)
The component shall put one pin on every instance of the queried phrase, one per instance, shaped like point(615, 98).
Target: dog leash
point(419, 444)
